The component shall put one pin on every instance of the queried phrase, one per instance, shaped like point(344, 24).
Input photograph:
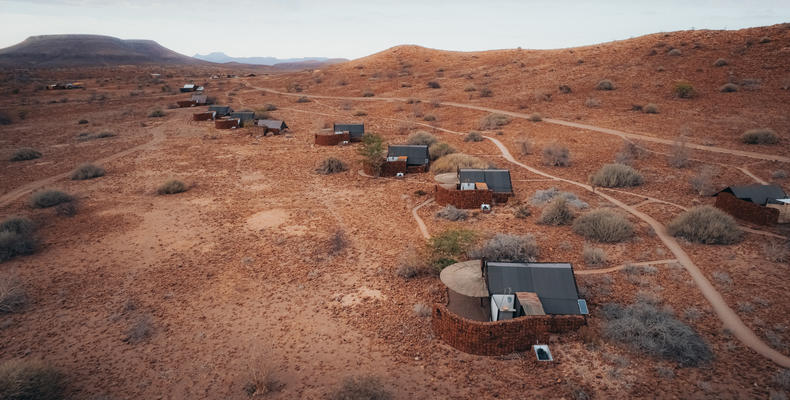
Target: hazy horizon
point(349, 29)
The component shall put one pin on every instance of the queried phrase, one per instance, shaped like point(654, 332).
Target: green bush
point(438, 150)
point(760, 136)
point(645, 327)
point(25, 154)
point(616, 175)
point(445, 247)
point(422, 138)
point(172, 186)
point(556, 213)
point(372, 150)
point(29, 380)
point(707, 225)
point(87, 171)
point(604, 226)
point(49, 198)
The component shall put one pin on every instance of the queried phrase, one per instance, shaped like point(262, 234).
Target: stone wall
point(746, 210)
point(332, 139)
point(469, 199)
point(499, 337)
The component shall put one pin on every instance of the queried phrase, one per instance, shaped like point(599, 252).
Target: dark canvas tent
point(417, 154)
point(498, 180)
point(554, 283)
point(355, 130)
point(221, 110)
point(757, 194)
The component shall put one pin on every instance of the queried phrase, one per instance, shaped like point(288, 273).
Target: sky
point(352, 29)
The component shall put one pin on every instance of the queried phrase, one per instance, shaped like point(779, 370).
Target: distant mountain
point(88, 50)
point(219, 57)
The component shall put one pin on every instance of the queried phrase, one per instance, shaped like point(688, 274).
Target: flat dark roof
point(758, 194)
point(554, 283)
point(417, 153)
point(498, 180)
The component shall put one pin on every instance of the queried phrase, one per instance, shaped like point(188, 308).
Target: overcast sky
point(351, 29)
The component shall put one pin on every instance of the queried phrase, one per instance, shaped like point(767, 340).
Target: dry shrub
point(594, 256)
point(616, 175)
point(303, 99)
point(707, 225)
point(522, 212)
point(702, 181)
point(451, 213)
point(604, 226)
point(367, 93)
point(486, 92)
point(470, 88)
point(556, 155)
point(679, 154)
point(13, 297)
point(545, 196)
point(777, 251)
point(156, 114)
point(650, 108)
point(535, 117)
point(361, 388)
point(451, 163)
point(675, 52)
point(556, 213)
point(422, 310)
point(49, 198)
point(760, 136)
point(87, 171)
point(434, 85)
point(628, 153)
point(410, 264)
point(473, 136)
point(422, 138)
point(779, 174)
point(331, 165)
point(720, 62)
point(24, 154)
point(525, 147)
point(438, 150)
point(729, 88)
point(504, 247)
point(592, 102)
point(605, 85)
point(494, 121)
point(68, 209)
point(269, 107)
point(22, 379)
point(261, 380)
point(782, 379)
point(565, 89)
point(647, 328)
point(337, 242)
point(684, 90)
point(429, 117)
point(16, 238)
point(172, 186)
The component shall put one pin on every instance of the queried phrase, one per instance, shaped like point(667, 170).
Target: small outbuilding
point(200, 99)
point(475, 187)
point(221, 111)
point(406, 158)
point(189, 87)
point(244, 117)
point(758, 204)
point(272, 125)
point(355, 131)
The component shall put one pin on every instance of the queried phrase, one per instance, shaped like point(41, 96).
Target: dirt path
point(622, 134)
point(420, 222)
point(621, 267)
point(9, 197)
point(728, 317)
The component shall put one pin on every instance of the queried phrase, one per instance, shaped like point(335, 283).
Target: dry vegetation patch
point(441, 149)
point(172, 186)
point(361, 388)
point(24, 154)
point(49, 198)
point(616, 175)
point(707, 225)
point(451, 213)
point(22, 379)
point(451, 163)
point(604, 225)
point(556, 155)
point(87, 171)
point(331, 165)
point(505, 247)
point(556, 213)
point(422, 138)
point(494, 121)
point(760, 136)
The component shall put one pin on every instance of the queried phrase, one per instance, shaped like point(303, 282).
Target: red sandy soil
point(239, 273)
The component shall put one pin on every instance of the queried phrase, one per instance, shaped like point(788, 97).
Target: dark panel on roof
point(221, 110)
point(554, 284)
point(356, 130)
point(417, 154)
point(243, 115)
point(498, 180)
point(272, 124)
point(758, 194)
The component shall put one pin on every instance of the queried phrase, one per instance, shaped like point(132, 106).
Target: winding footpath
point(728, 317)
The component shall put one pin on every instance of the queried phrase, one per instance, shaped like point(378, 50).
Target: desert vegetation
point(331, 165)
point(24, 154)
point(422, 138)
point(594, 256)
point(684, 90)
point(172, 186)
point(451, 163)
point(372, 151)
point(604, 226)
point(87, 171)
point(505, 247)
point(361, 388)
point(605, 85)
point(446, 247)
point(49, 198)
point(616, 175)
point(707, 225)
point(760, 136)
point(26, 379)
point(556, 155)
point(439, 150)
point(156, 114)
point(473, 136)
point(494, 121)
point(451, 213)
point(556, 212)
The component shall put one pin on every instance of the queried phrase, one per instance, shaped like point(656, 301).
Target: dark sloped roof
point(272, 124)
point(220, 109)
point(758, 194)
point(554, 283)
point(243, 115)
point(498, 180)
point(417, 153)
point(356, 130)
